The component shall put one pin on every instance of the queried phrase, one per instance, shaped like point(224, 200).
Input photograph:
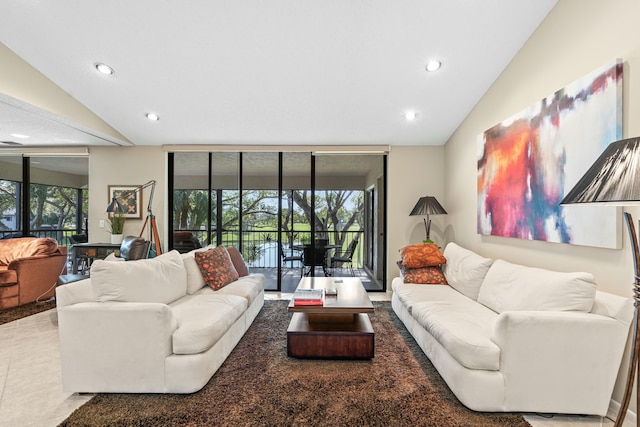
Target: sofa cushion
point(161, 279)
point(9, 291)
point(513, 287)
point(23, 247)
point(195, 281)
point(203, 320)
point(247, 287)
point(463, 328)
point(410, 294)
point(8, 277)
point(421, 255)
point(238, 261)
point(216, 267)
point(465, 270)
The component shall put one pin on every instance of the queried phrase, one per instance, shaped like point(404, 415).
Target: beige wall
point(126, 166)
point(577, 37)
point(413, 172)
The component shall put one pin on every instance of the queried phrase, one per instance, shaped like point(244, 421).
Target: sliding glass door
point(348, 189)
point(290, 213)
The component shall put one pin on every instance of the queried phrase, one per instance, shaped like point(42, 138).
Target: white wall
point(577, 37)
point(20, 80)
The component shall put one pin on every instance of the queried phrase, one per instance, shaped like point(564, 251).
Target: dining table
point(318, 255)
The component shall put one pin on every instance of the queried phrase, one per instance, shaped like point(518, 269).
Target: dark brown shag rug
point(258, 385)
point(14, 313)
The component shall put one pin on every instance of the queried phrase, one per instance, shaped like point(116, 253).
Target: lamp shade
point(613, 178)
point(115, 206)
point(428, 205)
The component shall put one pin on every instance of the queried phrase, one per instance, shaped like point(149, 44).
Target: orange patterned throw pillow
point(423, 276)
point(422, 255)
point(216, 267)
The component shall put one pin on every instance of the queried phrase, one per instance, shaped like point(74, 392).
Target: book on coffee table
point(308, 297)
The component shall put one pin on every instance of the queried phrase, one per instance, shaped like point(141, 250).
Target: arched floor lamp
point(614, 179)
point(116, 206)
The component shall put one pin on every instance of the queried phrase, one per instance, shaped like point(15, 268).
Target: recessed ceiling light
point(18, 135)
point(104, 68)
point(153, 117)
point(410, 115)
point(433, 65)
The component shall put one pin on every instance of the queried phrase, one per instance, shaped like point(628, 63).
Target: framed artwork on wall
point(528, 162)
point(130, 197)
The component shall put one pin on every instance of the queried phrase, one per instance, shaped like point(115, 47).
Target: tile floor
point(31, 392)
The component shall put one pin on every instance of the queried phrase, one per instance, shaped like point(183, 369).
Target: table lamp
point(427, 205)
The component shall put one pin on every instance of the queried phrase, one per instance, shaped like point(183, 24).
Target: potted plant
point(116, 227)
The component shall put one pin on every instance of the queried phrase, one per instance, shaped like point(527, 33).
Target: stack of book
point(308, 297)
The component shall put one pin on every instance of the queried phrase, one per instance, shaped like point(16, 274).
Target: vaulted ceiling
point(281, 72)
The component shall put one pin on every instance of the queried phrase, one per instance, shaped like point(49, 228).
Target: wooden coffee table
point(338, 329)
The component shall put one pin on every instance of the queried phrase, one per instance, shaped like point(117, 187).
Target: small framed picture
point(130, 197)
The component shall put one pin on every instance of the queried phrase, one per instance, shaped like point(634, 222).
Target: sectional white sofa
point(150, 326)
point(506, 337)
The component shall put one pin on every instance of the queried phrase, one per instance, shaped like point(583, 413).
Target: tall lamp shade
point(427, 205)
point(614, 178)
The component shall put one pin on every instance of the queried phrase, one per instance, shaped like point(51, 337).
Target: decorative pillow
point(216, 267)
point(465, 270)
point(161, 279)
point(238, 261)
point(195, 282)
point(513, 287)
point(422, 255)
point(422, 276)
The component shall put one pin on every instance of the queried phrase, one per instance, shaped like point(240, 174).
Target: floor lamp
point(116, 206)
point(614, 179)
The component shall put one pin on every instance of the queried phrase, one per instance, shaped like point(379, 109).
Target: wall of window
point(272, 205)
point(43, 197)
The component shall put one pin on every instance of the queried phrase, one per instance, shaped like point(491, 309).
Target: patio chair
point(341, 258)
point(292, 258)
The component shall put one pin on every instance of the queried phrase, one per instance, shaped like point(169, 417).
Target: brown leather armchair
point(29, 269)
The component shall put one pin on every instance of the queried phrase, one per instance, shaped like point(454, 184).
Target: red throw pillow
point(422, 255)
point(423, 276)
point(238, 261)
point(216, 267)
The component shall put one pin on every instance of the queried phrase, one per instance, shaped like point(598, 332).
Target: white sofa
point(506, 337)
point(150, 326)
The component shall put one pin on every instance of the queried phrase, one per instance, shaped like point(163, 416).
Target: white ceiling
point(280, 72)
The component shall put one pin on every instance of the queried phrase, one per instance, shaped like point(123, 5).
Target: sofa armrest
point(548, 355)
point(38, 275)
point(115, 346)
point(74, 293)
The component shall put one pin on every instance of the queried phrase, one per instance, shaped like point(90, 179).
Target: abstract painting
point(528, 162)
